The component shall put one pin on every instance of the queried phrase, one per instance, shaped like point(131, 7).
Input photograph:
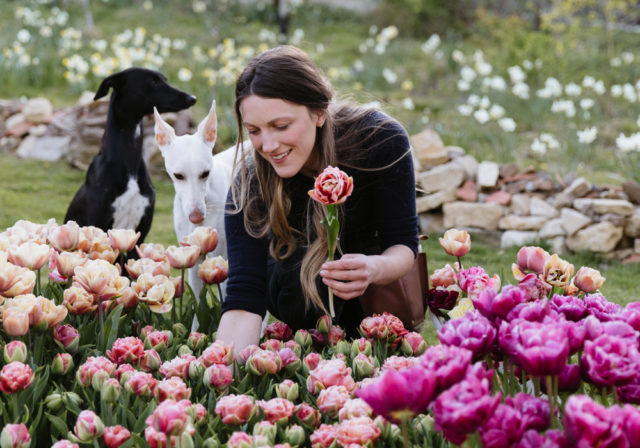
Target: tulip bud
point(211, 442)
point(150, 361)
point(363, 366)
point(303, 338)
point(62, 364)
point(156, 340)
point(288, 389)
point(184, 350)
point(66, 337)
point(265, 429)
point(323, 324)
point(110, 392)
point(196, 341)
point(309, 416)
point(15, 436)
point(361, 345)
point(88, 426)
point(413, 344)
point(295, 435)
point(15, 351)
point(196, 370)
point(98, 378)
point(343, 347)
point(424, 424)
point(179, 330)
point(186, 441)
point(218, 377)
point(53, 402)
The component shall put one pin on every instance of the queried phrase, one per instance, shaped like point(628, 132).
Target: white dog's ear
point(208, 128)
point(164, 132)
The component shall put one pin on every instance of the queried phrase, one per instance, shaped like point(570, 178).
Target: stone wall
point(525, 206)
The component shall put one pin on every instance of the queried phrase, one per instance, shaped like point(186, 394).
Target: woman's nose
point(269, 142)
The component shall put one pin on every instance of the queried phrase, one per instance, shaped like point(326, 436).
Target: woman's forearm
point(392, 264)
point(240, 328)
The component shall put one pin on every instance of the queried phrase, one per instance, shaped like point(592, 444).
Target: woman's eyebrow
point(270, 122)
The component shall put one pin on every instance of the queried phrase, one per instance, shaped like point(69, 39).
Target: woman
point(277, 246)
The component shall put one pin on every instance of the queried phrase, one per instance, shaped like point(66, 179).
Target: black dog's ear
point(110, 81)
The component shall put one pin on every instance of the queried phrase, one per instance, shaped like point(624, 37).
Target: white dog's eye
point(178, 176)
point(204, 175)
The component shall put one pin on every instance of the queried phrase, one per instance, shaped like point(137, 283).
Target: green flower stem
point(14, 406)
point(405, 432)
point(332, 225)
point(181, 310)
point(459, 263)
point(551, 393)
point(38, 288)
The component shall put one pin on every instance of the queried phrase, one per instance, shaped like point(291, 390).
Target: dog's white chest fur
point(129, 207)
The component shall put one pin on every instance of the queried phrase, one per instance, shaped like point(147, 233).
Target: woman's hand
point(350, 276)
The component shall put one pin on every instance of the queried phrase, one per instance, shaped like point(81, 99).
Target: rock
point(517, 238)
point(441, 177)
point(468, 192)
point(38, 110)
point(435, 200)
point(469, 164)
point(14, 120)
point(499, 197)
point(600, 237)
point(468, 214)
point(488, 173)
point(632, 226)
point(552, 228)
point(562, 200)
point(455, 152)
point(49, 148)
point(538, 207)
point(633, 258)
point(431, 223)
point(616, 220)
point(520, 204)
point(428, 148)
point(578, 188)
point(539, 184)
point(636, 245)
point(515, 222)
point(517, 186)
point(573, 220)
point(508, 170)
point(557, 245)
point(19, 130)
point(632, 190)
point(604, 206)
point(85, 98)
point(38, 130)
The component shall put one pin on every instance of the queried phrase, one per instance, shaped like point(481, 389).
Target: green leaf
point(111, 326)
point(59, 424)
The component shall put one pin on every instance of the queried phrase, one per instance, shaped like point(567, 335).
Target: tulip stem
point(14, 405)
point(551, 393)
point(459, 264)
point(180, 315)
point(614, 392)
point(405, 432)
point(37, 289)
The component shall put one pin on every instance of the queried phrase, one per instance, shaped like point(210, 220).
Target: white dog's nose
point(196, 216)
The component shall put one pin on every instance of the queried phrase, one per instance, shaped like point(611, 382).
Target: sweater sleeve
point(394, 189)
point(247, 276)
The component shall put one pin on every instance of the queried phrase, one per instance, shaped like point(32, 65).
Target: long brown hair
point(287, 73)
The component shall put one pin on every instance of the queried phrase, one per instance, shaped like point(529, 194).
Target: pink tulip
point(66, 262)
point(114, 436)
point(287, 389)
point(240, 439)
point(235, 409)
point(155, 252)
point(448, 364)
point(88, 426)
point(30, 255)
point(277, 330)
point(588, 280)
point(264, 362)
point(218, 377)
point(611, 360)
point(169, 418)
point(178, 366)
point(503, 428)
point(443, 277)
point(455, 242)
point(331, 400)
point(588, 423)
point(15, 351)
point(534, 411)
point(15, 436)
point(397, 363)
point(312, 360)
point(126, 350)
point(361, 431)
point(92, 366)
point(353, 408)
point(156, 340)
point(324, 436)
point(67, 337)
point(141, 384)
point(333, 372)
point(65, 237)
point(150, 361)
point(173, 388)
point(15, 322)
point(15, 377)
point(277, 410)
point(332, 186)
point(136, 268)
point(532, 259)
point(123, 240)
point(472, 331)
point(413, 344)
point(475, 280)
point(213, 270)
point(64, 443)
point(217, 353)
point(62, 363)
point(308, 415)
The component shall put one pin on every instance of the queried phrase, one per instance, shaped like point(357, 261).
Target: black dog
point(117, 192)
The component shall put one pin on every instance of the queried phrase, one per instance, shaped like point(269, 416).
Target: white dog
point(201, 181)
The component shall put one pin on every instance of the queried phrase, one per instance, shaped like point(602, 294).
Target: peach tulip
point(137, 267)
point(151, 250)
point(557, 272)
point(123, 240)
point(78, 300)
point(213, 270)
point(65, 237)
point(101, 278)
point(15, 322)
point(66, 262)
point(15, 280)
point(205, 238)
point(588, 279)
point(53, 314)
point(183, 257)
point(455, 242)
point(156, 291)
point(29, 255)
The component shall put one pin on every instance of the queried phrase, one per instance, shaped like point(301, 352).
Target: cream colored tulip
point(66, 262)
point(146, 265)
point(123, 240)
point(65, 237)
point(557, 272)
point(52, 313)
point(588, 279)
point(15, 322)
point(78, 300)
point(159, 293)
point(455, 242)
point(20, 280)
point(183, 257)
point(205, 238)
point(29, 255)
point(213, 270)
point(152, 250)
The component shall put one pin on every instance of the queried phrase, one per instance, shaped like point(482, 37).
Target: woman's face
point(283, 133)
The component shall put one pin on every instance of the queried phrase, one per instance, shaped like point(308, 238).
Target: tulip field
point(102, 351)
point(519, 348)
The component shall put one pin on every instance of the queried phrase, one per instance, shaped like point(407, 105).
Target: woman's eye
point(282, 127)
point(252, 131)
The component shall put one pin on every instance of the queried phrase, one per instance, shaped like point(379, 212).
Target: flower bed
point(93, 357)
